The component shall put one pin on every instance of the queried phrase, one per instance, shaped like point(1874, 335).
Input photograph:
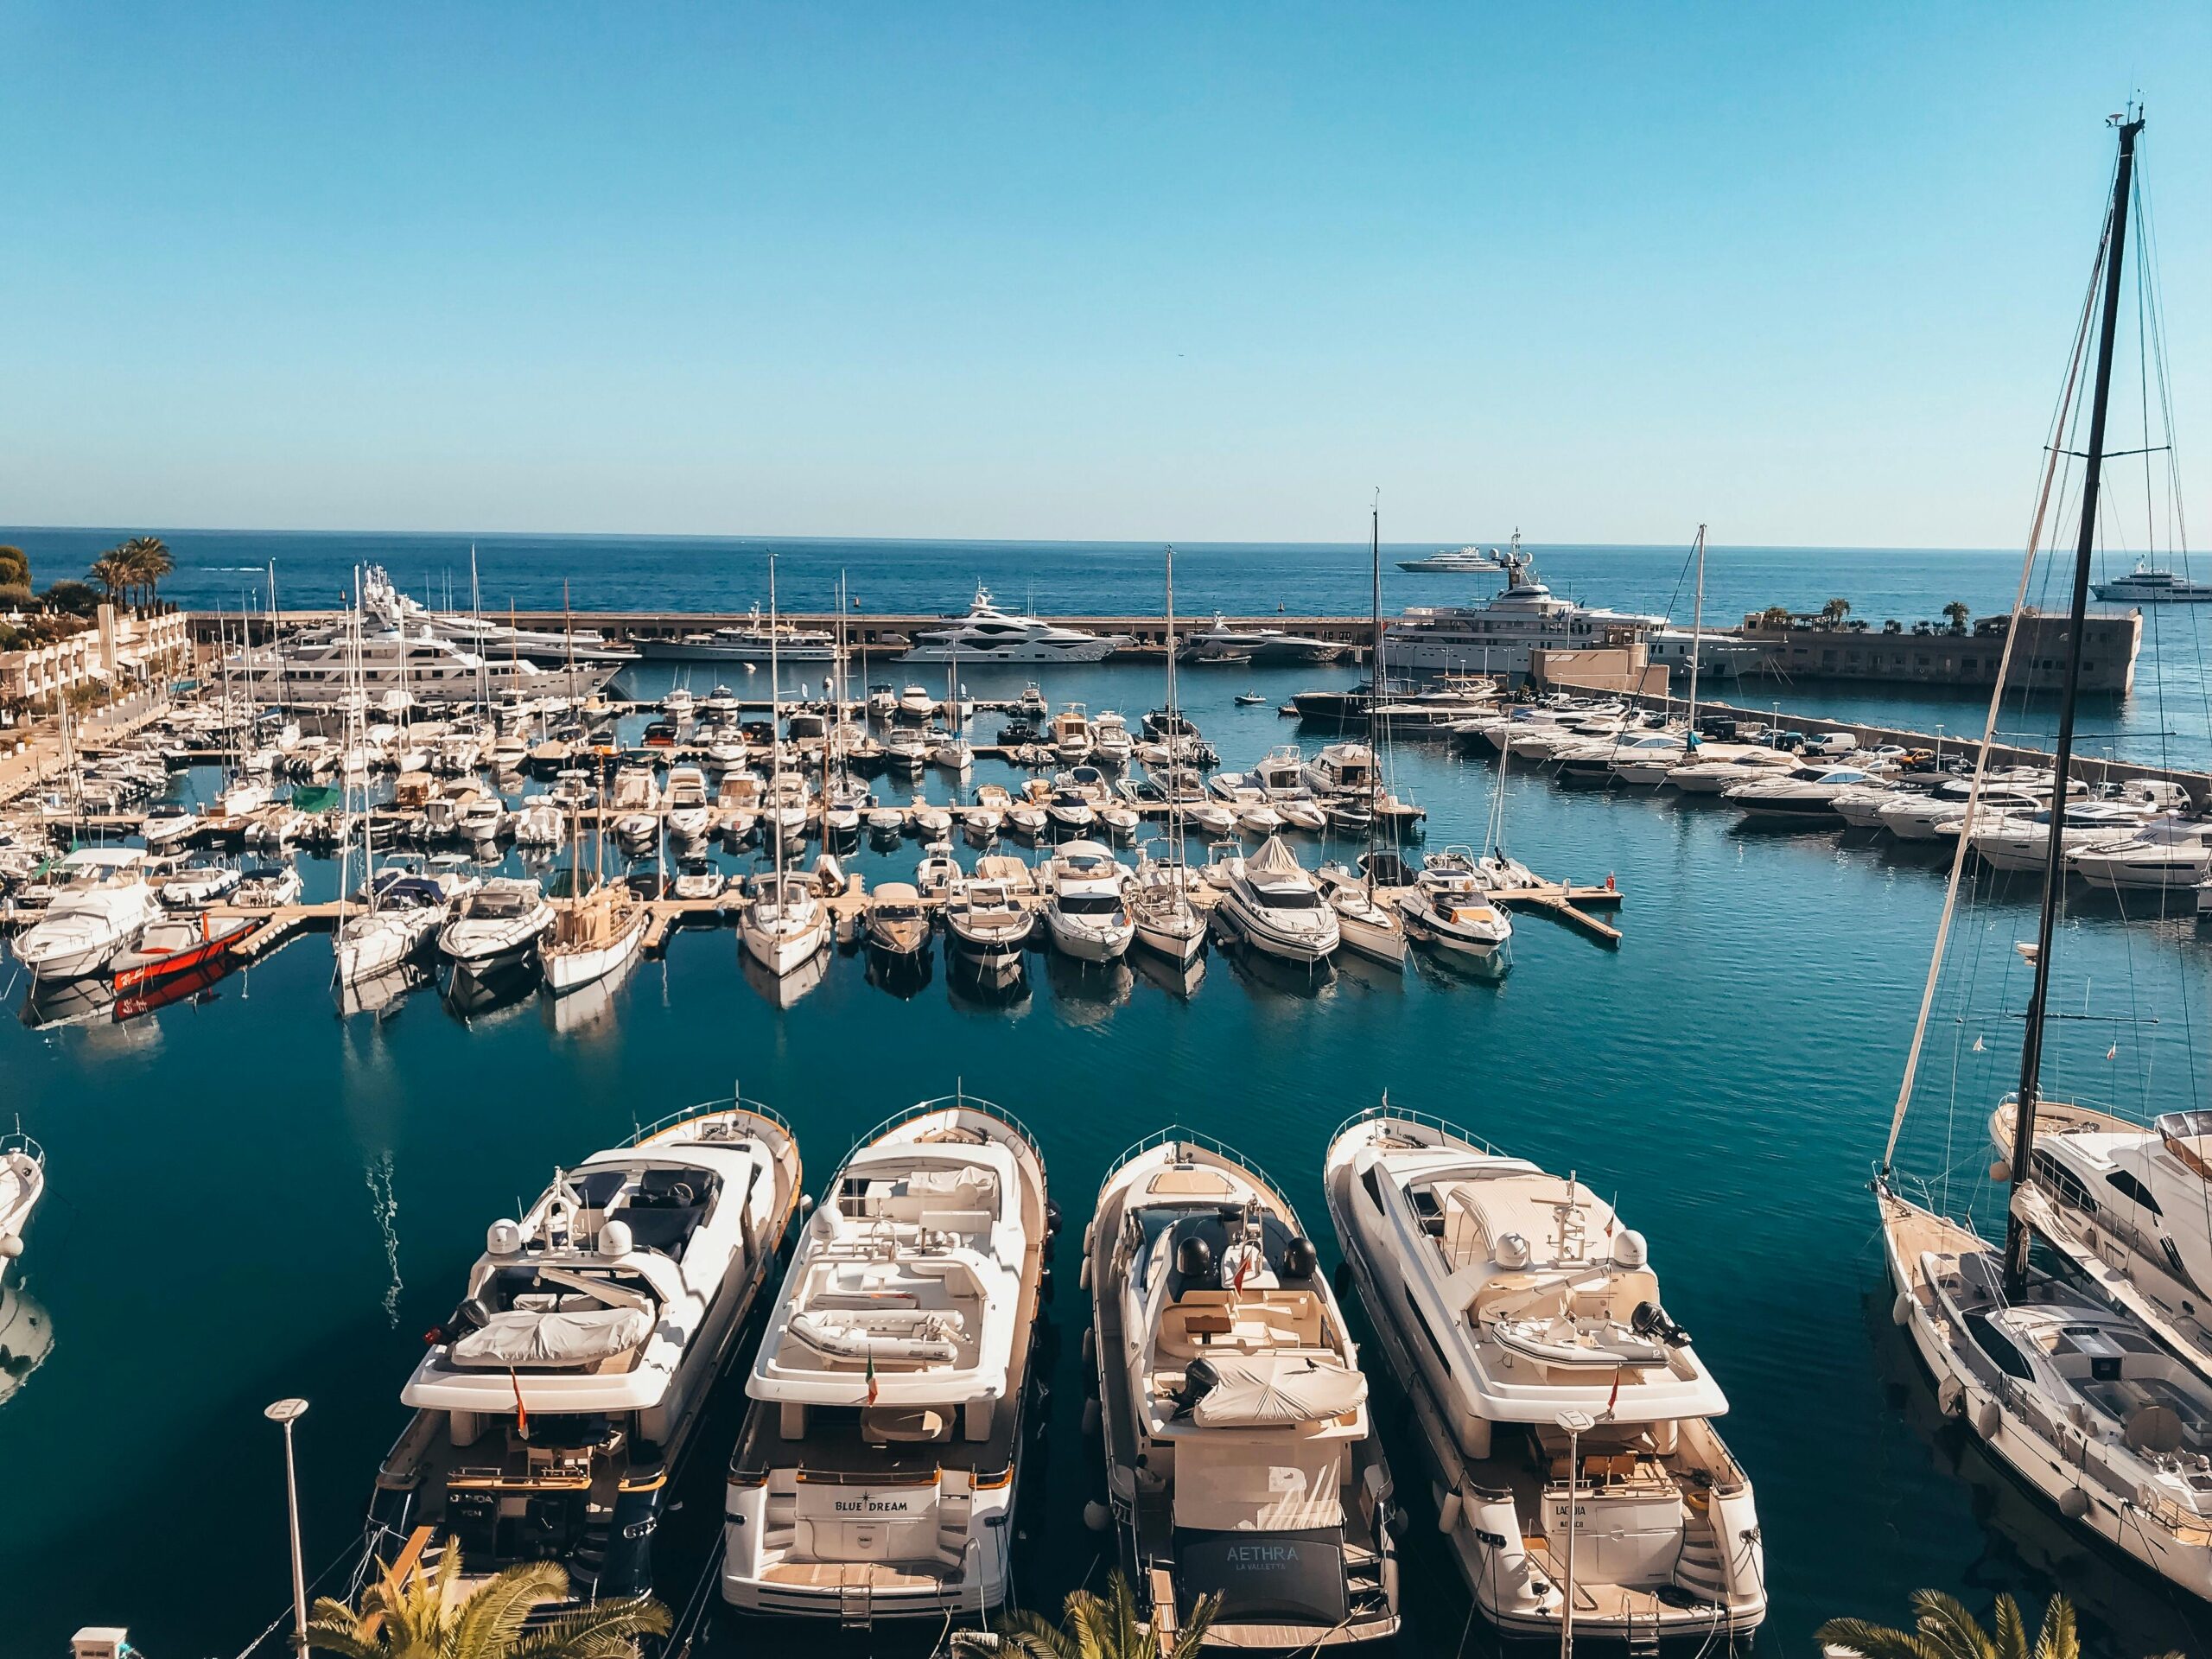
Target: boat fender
point(1097, 1516)
point(1082, 1274)
point(1390, 1580)
point(1090, 1344)
point(1090, 1418)
point(1090, 1230)
point(806, 1203)
point(1900, 1310)
point(2001, 1172)
point(1951, 1397)
point(1447, 1513)
point(1052, 1222)
point(1988, 1418)
point(12, 1247)
point(2072, 1503)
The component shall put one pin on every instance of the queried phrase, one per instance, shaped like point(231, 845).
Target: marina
point(601, 1096)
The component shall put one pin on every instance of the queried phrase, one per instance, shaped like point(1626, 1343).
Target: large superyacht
point(990, 634)
point(1241, 1459)
point(557, 1402)
point(876, 1473)
point(1548, 1382)
point(1496, 638)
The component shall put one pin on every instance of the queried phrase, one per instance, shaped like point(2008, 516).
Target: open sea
point(252, 1197)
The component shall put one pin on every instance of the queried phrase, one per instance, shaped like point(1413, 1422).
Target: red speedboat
point(177, 945)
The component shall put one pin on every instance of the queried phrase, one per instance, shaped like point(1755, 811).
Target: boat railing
point(16, 1140)
point(959, 1100)
point(1422, 1120)
point(643, 1133)
point(1176, 1135)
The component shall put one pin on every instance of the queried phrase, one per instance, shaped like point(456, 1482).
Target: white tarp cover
point(521, 1337)
point(1273, 858)
point(1272, 1389)
point(1250, 1483)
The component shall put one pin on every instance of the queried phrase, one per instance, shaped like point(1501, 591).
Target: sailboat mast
point(2017, 1237)
point(1697, 639)
point(775, 739)
point(1174, 729)
point(476, 610)
point(1378, 722)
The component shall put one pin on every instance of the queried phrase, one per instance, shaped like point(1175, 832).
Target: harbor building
point(1800, 649)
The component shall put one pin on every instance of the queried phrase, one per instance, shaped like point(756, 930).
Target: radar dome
point(503, 1237)
point(1194, 1257)
point(1630, 1250)
point(614, 1238)
point(1512, 1251)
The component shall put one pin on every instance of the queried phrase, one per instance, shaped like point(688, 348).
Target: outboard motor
point(1199, 1380)
point(1651, 1320)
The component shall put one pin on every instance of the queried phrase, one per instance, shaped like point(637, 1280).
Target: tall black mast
point(2054, 872)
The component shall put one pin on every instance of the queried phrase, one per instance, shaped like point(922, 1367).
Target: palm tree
point(112, 571)
point(428, 1615)
point(1091, 1627)
point(1957, 613)
point(1834, 611)
point(147, 558)
point(1943, 1629)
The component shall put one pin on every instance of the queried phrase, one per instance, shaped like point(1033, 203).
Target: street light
point(288, 1412)
point(1577, 1423)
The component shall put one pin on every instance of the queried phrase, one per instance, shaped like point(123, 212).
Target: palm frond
point(1202, 1615)
point(1945, 1621)
point(1872, 1641)
point(2059, 1639)
point(606, 1629)
point(492, 1619)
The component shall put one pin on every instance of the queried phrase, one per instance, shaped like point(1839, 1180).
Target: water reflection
point(1177, 978)
point(382, 993)
point(783, 990)
point(489, 998)
point(26, 1337)
point(972, 987)
point(384, 1209)
point(1087, 993)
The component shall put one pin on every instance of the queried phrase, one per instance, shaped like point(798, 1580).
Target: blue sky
point(1807, 272)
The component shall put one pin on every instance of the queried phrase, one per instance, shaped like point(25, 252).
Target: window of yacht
point(1435, 1347)
point(2122, 1182)
point(1994, 1343)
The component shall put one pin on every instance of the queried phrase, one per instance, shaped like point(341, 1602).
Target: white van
point(1831, 743)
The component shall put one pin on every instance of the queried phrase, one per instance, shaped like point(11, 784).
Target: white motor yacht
point(1210, 817)
point(1274, 905)
point(1923, 814)
point(557, 1404)
point(1241, 1459)
point(2146, 586)
point(2168, 854)
point(1804, 794)
point(268, 886)
point(2021, 840)
point(1071, 734)
point(1643, 762)
point(916, 704)
point(100, 907)
point(1566, 1418)
point(895, 926)
point(407, 913)
point(169, 825)
point(877, 1473)
point(985, 919)
point(497, 925)
point(939, 873)
point(1343, 769)
point(1085, 910)
point(907, 747)
point(539, 825)
point(989, 633)
point(783, 925)
point(1718, 774)
point(195, 886)
point(1450, 906)
point(1110, 742)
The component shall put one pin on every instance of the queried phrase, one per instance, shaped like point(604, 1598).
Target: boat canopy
point(1276, 1390)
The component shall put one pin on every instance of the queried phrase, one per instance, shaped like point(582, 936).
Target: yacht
point(783, 925)
point(383, 601)
point(2125, 1205)
point(1497, 637)
point(1923, 814)
point(1370, 927)
point(986, 921)
point(268, 886)
point(170, 825)
point(2144, 586)
point(987, 634)
point(1455, 562)
point(1071, 734)
point(177, 945)
point(497, 925)
point(1451, 905)
point(22, 1183)
point(1085, 910)
point(1159, 905)
point(2166, 854)
point(938, 874)
point(1557, 1402)
point(1717, 774)
point(915, 703)
point(896, 925)
point(1274, 905)
point(539, 825)
point(1804, 794)
point(1342, 769)
point(1111, 744)
point(2020, 841)
point(401, 917)
point(878, 1470)
point(1220, 642)
point(1641, 760)
point(595, 937)
point(1241, 1459)
point(101, 906)
point(753, 641)
point(315, 667)
point(685, 802)
point(907, 747)
point(557, 1402)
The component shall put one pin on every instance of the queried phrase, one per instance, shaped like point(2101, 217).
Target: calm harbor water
point(253, 1196)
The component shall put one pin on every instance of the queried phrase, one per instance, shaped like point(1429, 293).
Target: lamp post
point(288, 1412)
point(1577, 1423)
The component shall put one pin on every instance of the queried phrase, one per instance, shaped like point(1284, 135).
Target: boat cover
point(1242, 1483)
point(526, 1337)
point(1265, 1390)
point(1273, 858)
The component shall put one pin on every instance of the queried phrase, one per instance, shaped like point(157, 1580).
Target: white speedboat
point(939, 873)
point(878, 1469)
point(907, 747)
point(2166, 854)
point(558, 1403)
point(195, 886)
point(989, 634)
point(783, 925)
point(407, 913)
point(1720, 773)
point(1450, 908)
point(1110, 742)
point(268, 886)
point(1274, 905)
point(101, 904)
point(1565, 1419)
point(895, 926)
point(685, 804)
point(540, 826)
point(497, 925)
point(22, 1184)
point(168, 826)
point(1085, 910)
point(986, 920)
point(1241, 1459)
point(1804, 794)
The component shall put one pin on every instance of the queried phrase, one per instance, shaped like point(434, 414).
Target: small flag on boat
point(1244, 1262)
point(2112, 1053)
point(1977, 1046)
point(522, 1412)
point(1614, 1398)
point(874, 1387)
